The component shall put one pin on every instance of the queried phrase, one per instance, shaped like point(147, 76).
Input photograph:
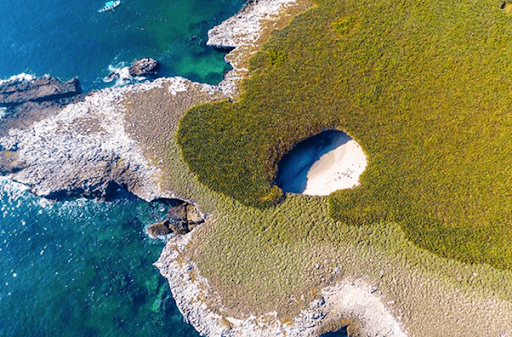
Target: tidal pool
point(322, 164)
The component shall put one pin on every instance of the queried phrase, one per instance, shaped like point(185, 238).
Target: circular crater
point(322, 164)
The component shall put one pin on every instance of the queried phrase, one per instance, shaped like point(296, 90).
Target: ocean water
point(68, 38)
point(82, 267)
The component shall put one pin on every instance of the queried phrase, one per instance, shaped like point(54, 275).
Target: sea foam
point(121, 74)
point(20, 78)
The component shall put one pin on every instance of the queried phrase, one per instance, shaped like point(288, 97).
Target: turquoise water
point(68, 38)
point(81, 267)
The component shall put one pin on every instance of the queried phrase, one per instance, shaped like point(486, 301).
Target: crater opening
point(322, 164)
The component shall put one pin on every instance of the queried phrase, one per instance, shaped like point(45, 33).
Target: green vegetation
point(278, 258)
point(424, 87)
point(345, 24)
point(277, 56)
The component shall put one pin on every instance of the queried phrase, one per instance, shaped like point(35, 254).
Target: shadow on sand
point(294, 167)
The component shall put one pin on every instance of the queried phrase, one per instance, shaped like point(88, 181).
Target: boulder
point(42, 89)
point(159, 228)
point(193, 215)
point(143, 67)
point(167, 227)
point(186, 212)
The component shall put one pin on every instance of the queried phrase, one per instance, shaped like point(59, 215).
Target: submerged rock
point(42, 89)
point(142, 67)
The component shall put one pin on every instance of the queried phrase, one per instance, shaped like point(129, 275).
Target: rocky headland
point(125, 138)
point(356, 300)
point(83, 149)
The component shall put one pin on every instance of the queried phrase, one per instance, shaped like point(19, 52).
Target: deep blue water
point(81, 267)
point(340, 333)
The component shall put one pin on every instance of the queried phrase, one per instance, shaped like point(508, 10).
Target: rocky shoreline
point(95, 145)
point(356, 300)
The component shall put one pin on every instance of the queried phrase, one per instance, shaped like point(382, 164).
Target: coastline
point(110, 138)
point(355, 302)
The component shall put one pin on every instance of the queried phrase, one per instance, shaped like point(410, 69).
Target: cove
point(322, 164)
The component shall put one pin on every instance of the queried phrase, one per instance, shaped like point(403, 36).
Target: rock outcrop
point(143, 67)
point(83, 149)
point(42, 89)
point(161, 228)
point(185, 212)
point(178, 212)
point(184, 218)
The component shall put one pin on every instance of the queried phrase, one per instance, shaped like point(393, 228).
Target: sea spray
point(120, 75)
point(19, 78)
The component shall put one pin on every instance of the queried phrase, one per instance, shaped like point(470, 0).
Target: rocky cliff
point(244, 33)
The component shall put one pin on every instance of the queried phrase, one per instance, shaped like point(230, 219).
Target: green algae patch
point(423, 87)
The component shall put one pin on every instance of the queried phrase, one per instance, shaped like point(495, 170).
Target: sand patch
point(338, 169)
point(322, 164)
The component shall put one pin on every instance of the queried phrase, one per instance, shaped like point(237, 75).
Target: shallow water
point(295, 165)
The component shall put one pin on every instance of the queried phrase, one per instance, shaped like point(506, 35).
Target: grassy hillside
point(424, 87)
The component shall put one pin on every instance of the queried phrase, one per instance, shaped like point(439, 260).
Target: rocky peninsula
point(126, 137)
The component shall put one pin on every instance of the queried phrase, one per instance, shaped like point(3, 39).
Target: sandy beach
point(337, 169)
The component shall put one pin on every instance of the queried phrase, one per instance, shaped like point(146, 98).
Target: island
point(420, 246)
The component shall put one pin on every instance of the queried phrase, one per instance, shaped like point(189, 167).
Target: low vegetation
point(423, 86)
